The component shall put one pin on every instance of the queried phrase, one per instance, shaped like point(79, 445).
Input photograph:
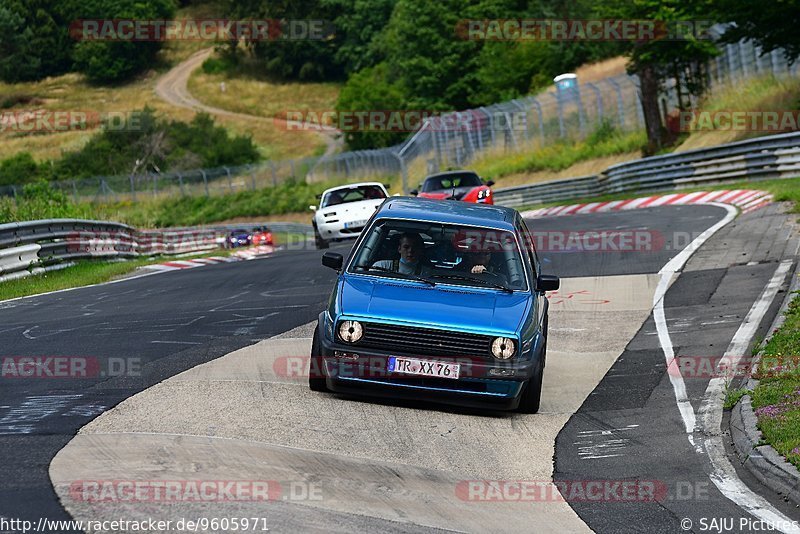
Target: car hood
point(363, 209)
point(458, 193)
point(443, 306)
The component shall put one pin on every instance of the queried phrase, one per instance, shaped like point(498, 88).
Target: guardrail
point(770, 157)
point(26, 247)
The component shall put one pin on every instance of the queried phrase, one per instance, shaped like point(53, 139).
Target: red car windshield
point(449, 181)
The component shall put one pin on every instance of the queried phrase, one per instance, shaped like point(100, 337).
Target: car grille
point(414, 340)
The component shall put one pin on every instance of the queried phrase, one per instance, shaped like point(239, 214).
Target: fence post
point(155, 185)
point(74, 192)
point(599, 101)
point(252, 178)
point(620, 105)
point(230, 182)
point(637, 103)
point(205, 181)
point(180, 184)
point(560, 110)
point(274, 173)
point(133, 188)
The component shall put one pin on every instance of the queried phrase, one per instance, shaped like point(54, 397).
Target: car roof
point(448, 211)
point(351, 186)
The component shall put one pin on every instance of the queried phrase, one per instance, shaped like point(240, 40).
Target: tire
point(532, 393)
point(316, 382)
point(319, 242)
point(532, 390)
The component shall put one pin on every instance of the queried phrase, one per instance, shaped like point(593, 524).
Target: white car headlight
point(503, 348)
point(350, 331)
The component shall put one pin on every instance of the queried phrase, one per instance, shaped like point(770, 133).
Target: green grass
point(734, 395)
point(84, 273)
point(604, 141)
point(776, 399)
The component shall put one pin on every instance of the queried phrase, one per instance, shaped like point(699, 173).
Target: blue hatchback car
point(440, 301)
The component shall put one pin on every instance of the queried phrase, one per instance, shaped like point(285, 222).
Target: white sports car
point(343, 211)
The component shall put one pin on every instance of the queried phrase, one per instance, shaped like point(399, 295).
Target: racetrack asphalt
point(175, 321)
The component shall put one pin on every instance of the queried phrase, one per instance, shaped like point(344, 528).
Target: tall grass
point(605, 140)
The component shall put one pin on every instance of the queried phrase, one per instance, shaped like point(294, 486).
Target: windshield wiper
point(478, 280)
point(384, 269)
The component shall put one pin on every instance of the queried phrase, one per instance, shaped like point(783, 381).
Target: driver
point(412, 256)
point(479, 262)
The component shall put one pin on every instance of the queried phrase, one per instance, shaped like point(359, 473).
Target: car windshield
point(449, 181)
point(442, 254)
point(352, 194)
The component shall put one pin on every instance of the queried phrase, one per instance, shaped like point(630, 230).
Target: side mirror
point(312, 208)
point(413, 192)
point(333, 260)
point(547, 282)
point(490, 183)
point(387, 186)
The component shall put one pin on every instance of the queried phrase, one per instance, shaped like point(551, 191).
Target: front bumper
point(337, 230)
point(364, 372)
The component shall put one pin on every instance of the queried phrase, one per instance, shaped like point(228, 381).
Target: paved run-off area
point(244, 417)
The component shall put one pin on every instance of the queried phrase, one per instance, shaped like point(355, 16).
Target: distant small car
point(343, 211)
point(437, 301)
point(466, 186)
point(239, 238)
point(262, 236)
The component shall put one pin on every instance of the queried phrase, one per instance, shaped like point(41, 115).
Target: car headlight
point(503, 348)
point(350, 331)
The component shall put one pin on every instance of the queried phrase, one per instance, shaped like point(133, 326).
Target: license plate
point(412, 366)
point(355, 224)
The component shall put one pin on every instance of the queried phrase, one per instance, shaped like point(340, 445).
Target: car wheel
point(316, 378)
point(532, 391)
point(319, 242)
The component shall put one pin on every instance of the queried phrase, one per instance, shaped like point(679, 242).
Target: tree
point(772, 25)
point(656, 60)
point(34, 42)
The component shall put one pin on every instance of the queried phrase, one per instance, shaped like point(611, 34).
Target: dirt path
point(172, 87)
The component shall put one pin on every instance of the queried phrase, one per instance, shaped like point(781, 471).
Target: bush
point(18, 169)
point(172, 145)
point(40, 200)
point(218, 65)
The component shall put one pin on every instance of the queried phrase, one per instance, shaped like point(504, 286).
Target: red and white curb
point(253, 252)
point(745, 199)
point(188, 264)
point(240, 255)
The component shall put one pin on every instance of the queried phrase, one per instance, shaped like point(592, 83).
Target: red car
point(262, 237)
point(456, 185)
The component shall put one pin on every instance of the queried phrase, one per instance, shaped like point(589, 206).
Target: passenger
point(412, 256)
